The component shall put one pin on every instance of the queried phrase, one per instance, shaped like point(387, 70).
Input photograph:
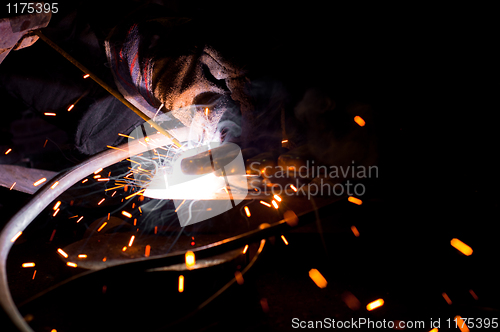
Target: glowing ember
point(278, 198)
point(190, 259)
point(102, 226)
point(12, 185)
point(461, 324)
point(54, 185)
point(318, 278)
point(239, 277)
point(34, 274)
point(462, 247)
point(447, 298)
point(355, 231)
point(56, 206)
point(62, 253)
point(8, 151)
point(247, 211)
point(355, 200)
point(57, 211)
point(284, 239)
point(245, 249)
point(70, 107)
point(181, 283)
point(49, 114)
point(375, 304)
point(97, 176)
point(147, 251)
point(39, 182)
point(85, 180)
point(31, 264)
point(79, 219)
point(82, 256)
point(100, 202)
point(124, 248)
point(71, 264)
point(265, 203)
point(284, 141)
point(127, 214)
point(18, 234)
point(473, 294)
point(275, 204)
point(98, 170)
point(103, 179)
point(86, 76)
point(359, 120)
point(293, 187)
point(131, 240)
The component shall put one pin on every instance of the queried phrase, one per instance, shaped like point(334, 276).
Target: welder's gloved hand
point(14, 31)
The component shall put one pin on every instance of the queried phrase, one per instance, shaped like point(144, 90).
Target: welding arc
point(112, 91)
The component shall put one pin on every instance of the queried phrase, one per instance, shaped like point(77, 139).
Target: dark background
point(428, 74)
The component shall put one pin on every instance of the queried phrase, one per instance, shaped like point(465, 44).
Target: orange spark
point(461, 324)
point(147, 251)
point(239, 277)
point(8, 151)
point(284, 239)
point(473, 294)
point(137, 193)
point(355, 200)
point(206, 111)
point(350, 300)
point(97, 176)
point(39, 182)
point(112, 147)
point(277, 197)
point(264, 203)
point(284, 141)
point(359, 120)
point(247, 211)
point(126, 214)
point(71, 264)
point(462, 247)
point(57, 211)
point(355, 231)
point(447, 298)
point(190, 259)
point(124, 248)
point(102, 226)
point(71, 107)
point(131, 240)
point(34, 274)
point(82, 256)
point(245, 249)
point(56, 206)
point(181, 283)
point(79, 219)
point(18, 234)
point(85, 180)
point(125, 136)
point(375, 304)
point(54, 185)
point(86, 75)
point(275, 204)
point(12, 185)
point(31, 264)
point(103, 179)
point(318, 278)
point(293, 187)
point(62, 253)
point(102, 200)
point(434, 330)
point(49, 114)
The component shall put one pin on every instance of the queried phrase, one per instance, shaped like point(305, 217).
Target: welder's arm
point(15, 31)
